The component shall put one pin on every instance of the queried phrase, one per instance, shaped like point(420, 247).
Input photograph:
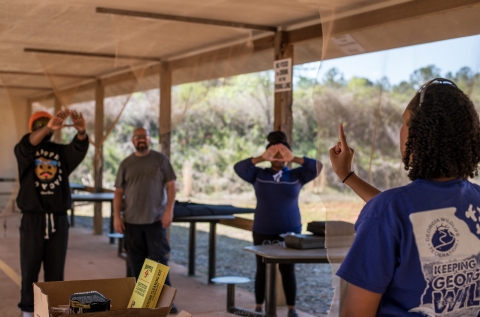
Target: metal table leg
point(270, 290)
point(112, 230)
point(230, 297)
point(191, 249)
point(72, 216)
point(212, 246)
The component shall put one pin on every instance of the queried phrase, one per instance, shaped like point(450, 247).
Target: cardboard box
point(118, 290)
point(149, 284)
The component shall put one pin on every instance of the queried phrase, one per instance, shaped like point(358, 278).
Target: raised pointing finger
point(343, 139)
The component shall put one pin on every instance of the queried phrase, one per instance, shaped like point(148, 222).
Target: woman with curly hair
point(277, 189)
point(417, 247)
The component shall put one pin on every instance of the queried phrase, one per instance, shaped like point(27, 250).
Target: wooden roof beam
point(88, 54)
point(397, 13)
point(107, 80)
point(25, 87)
point(304, 34)
point(258, 45)
point(176, 18)
point(21, 73)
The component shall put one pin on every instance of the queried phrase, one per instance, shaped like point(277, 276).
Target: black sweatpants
point(35, 249)
point(146, 241)
point(287, 271)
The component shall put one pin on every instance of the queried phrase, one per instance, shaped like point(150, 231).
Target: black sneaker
point(174, 309)
point(292, 313)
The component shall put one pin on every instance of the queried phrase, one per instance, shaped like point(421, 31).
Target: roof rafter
point(88, 54)
point(22, 73)
point(24, 87)
point(176, 18)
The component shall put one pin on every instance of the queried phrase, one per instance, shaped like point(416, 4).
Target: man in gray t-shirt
point(146, 185)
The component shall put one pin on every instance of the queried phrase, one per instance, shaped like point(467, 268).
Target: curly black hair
point(443, 136)
point(277, 137)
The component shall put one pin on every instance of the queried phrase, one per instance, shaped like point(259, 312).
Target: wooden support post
point(57, 135)
point(98, 156)
point(283, 121)
point(165, 119)
point(283, 100)
point(27, 117)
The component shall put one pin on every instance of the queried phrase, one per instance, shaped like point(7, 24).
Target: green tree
point(424, 74)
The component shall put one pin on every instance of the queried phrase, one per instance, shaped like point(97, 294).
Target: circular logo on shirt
point(442, 237)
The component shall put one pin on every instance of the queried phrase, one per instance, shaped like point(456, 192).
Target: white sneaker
point(26, 314)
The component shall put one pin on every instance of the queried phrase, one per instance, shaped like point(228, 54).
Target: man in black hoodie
point(44, 198)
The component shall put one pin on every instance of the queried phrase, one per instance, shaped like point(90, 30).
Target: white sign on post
point(283, 74)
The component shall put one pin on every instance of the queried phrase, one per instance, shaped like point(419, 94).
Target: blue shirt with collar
point(277, 194)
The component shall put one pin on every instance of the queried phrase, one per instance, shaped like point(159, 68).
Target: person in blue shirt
point(417, 247)
point(277, 189)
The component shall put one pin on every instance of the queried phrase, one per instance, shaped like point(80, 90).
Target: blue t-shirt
point(277, 209)
point(419, 246)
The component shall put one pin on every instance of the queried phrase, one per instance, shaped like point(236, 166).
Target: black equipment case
point(316, 227)
point(304, 241)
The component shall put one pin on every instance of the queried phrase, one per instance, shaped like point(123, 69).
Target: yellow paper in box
point(149, 285)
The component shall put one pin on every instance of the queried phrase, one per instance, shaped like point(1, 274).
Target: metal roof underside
point(53, 45)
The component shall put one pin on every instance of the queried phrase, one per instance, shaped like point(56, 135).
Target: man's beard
point(141, 147)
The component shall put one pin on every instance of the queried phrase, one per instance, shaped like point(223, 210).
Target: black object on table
point(274, 254)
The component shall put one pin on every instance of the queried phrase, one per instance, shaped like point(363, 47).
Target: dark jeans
point(35, 249)
point(146, 241)
point(287, 271)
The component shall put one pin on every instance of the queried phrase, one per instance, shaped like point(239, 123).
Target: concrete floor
point(92, 257)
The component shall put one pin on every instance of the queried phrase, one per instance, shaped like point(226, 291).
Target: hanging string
point(374, 137)
point(377, 119)
point(471, 85)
